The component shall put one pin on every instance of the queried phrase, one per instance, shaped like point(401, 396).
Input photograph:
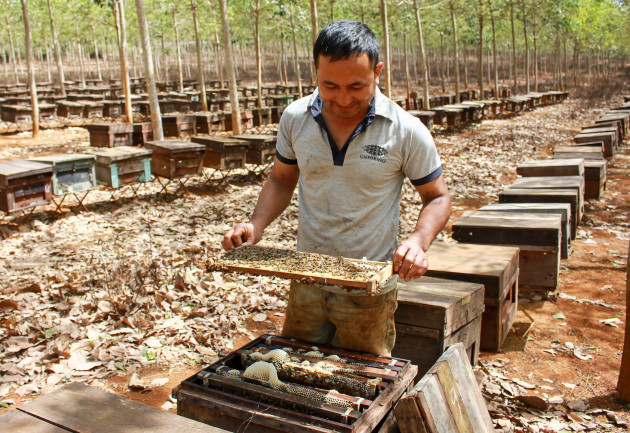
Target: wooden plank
point(453, 399)
point(16, 421)
point(81, 408)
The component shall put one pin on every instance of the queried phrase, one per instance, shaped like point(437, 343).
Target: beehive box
point(551, 167)
point(122, 165)
point(595, 177)
point(223, 153)
point(142, 133)
point(433, 314)
point(307, 267)
point(179, 125)
point(247, 120)
point(562, 209)
point(24, 184)
point(496, 267)
point(72, 172)
point(16, 113)
point(262, 147)
point(221, 396)
point(609, 140)
point(110, 134)
point(69, 109)
point(546, 195)
point(208, 122)
point(584, 152)
point(112, 108)
point(176, 158)
point(262, 116)
point(538, 237)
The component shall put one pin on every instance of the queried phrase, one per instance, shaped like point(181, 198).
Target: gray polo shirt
point(349, 198)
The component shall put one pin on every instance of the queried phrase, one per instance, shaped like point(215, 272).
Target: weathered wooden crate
point(622, 118)
point(79, 408)
point(563, 209)
point(230, 403)
point(47, 111)
point(446, 400)
point(551, 167)
point(558, 182)
point(69, 109)
point(122, 165)
point(426, 117)
point(609, 140)
point(496, 267)
point(247, 120)
point(262, 116)
point(72, 172)
point(546, 195)
point(262, 147)
point(142, 133)
point(24, 184)
point(538, 237)
point(112, 108)
point(223, 153)
point(595, 176)
point(209, 122)
point(178, 125)
point(605, 128)
point(92, 109)
point(584, 152)
point(176, 158)
point(434, 313)
point(16, 113)
point(110, 134)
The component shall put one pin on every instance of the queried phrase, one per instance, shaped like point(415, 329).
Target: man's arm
point(274, 198)
point(410, 259)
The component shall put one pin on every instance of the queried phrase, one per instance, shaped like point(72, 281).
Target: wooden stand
point(110, 134)
point(496, 268)
point(433, 314)
point(123, 165)
point(24, 184)
point(538, 236)
point(175, 158)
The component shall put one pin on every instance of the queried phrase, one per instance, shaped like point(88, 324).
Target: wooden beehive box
point(247, 120)
point(425, 117)
point(613, 127)
point(434, 313)
point(310, 267)
point(609, 139)
point(230, 403)
point(595, 177)
point(262, 147)
point(538, 237)
point(110, 134)
point(262, 116)
point(551, 167)
point(47, 111)
point(142, 133)
point(555, 182)
point(584, 152)
point(209, 121)
point(546, 195)
point(72, 172)
point(112, 108)
point(178, 125)
point(69, 109)
point(176, 158)
point(16, 113)
point(562, 209)
point(24, 184)
point(223, 153)
point(496, 268)
point(122, 165)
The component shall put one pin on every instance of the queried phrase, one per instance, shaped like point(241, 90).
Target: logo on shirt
point(374, 152)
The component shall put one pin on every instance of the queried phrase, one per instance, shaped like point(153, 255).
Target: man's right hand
point(238, 235)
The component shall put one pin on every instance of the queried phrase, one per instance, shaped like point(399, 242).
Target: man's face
point(347, 86)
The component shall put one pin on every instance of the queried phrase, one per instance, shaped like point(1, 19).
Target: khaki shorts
point(361, 323)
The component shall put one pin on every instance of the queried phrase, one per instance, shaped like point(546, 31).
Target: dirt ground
point(567, 351)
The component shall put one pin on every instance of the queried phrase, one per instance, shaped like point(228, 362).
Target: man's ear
point(377, 71)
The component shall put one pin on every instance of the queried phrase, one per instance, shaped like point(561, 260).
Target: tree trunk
point(527, 78)
point(480, 53)
point(98, 61)
point(535, 46)
point(495, 65)
point(406, 60)
point(386, 49)
point(442, 63)
point(513, 71)
point(285, 76)
point(234, 104)
point(259, 95)
point(58, 59)
point(455, 50)
point(219, 53)
point(31, 68)
point(119, 19)
point(156, 116)
point(423, 59)
point(81, 63)
point(314, 29)
point(556, 63)
point(623, 385)
point(13, 54)
point(180, 72)
point(296, 54)
point(200, 74)
point(47, 52)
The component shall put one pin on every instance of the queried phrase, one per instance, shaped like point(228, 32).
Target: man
point(350, 148)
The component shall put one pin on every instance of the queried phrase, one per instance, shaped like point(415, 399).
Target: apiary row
point(32, 182)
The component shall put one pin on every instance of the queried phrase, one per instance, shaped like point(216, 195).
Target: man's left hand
point(410, 261)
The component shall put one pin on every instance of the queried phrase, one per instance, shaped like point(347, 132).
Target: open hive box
point(308, 267)
point(274, 384)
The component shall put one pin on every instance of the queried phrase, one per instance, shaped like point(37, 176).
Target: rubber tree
point(480, 52)
point(455, 49)
point(12, 44)
point(314, 25)
point(386, 49)
point(200, 74)
point(296, 53)
point(121, 31)
point(31, 68)
point(423, 57)
point(149, 73)
point(229, 60)
point(58, 57)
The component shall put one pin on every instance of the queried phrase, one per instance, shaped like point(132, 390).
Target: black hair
point(344, 39)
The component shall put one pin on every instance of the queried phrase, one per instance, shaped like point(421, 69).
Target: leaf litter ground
point(120, 297)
